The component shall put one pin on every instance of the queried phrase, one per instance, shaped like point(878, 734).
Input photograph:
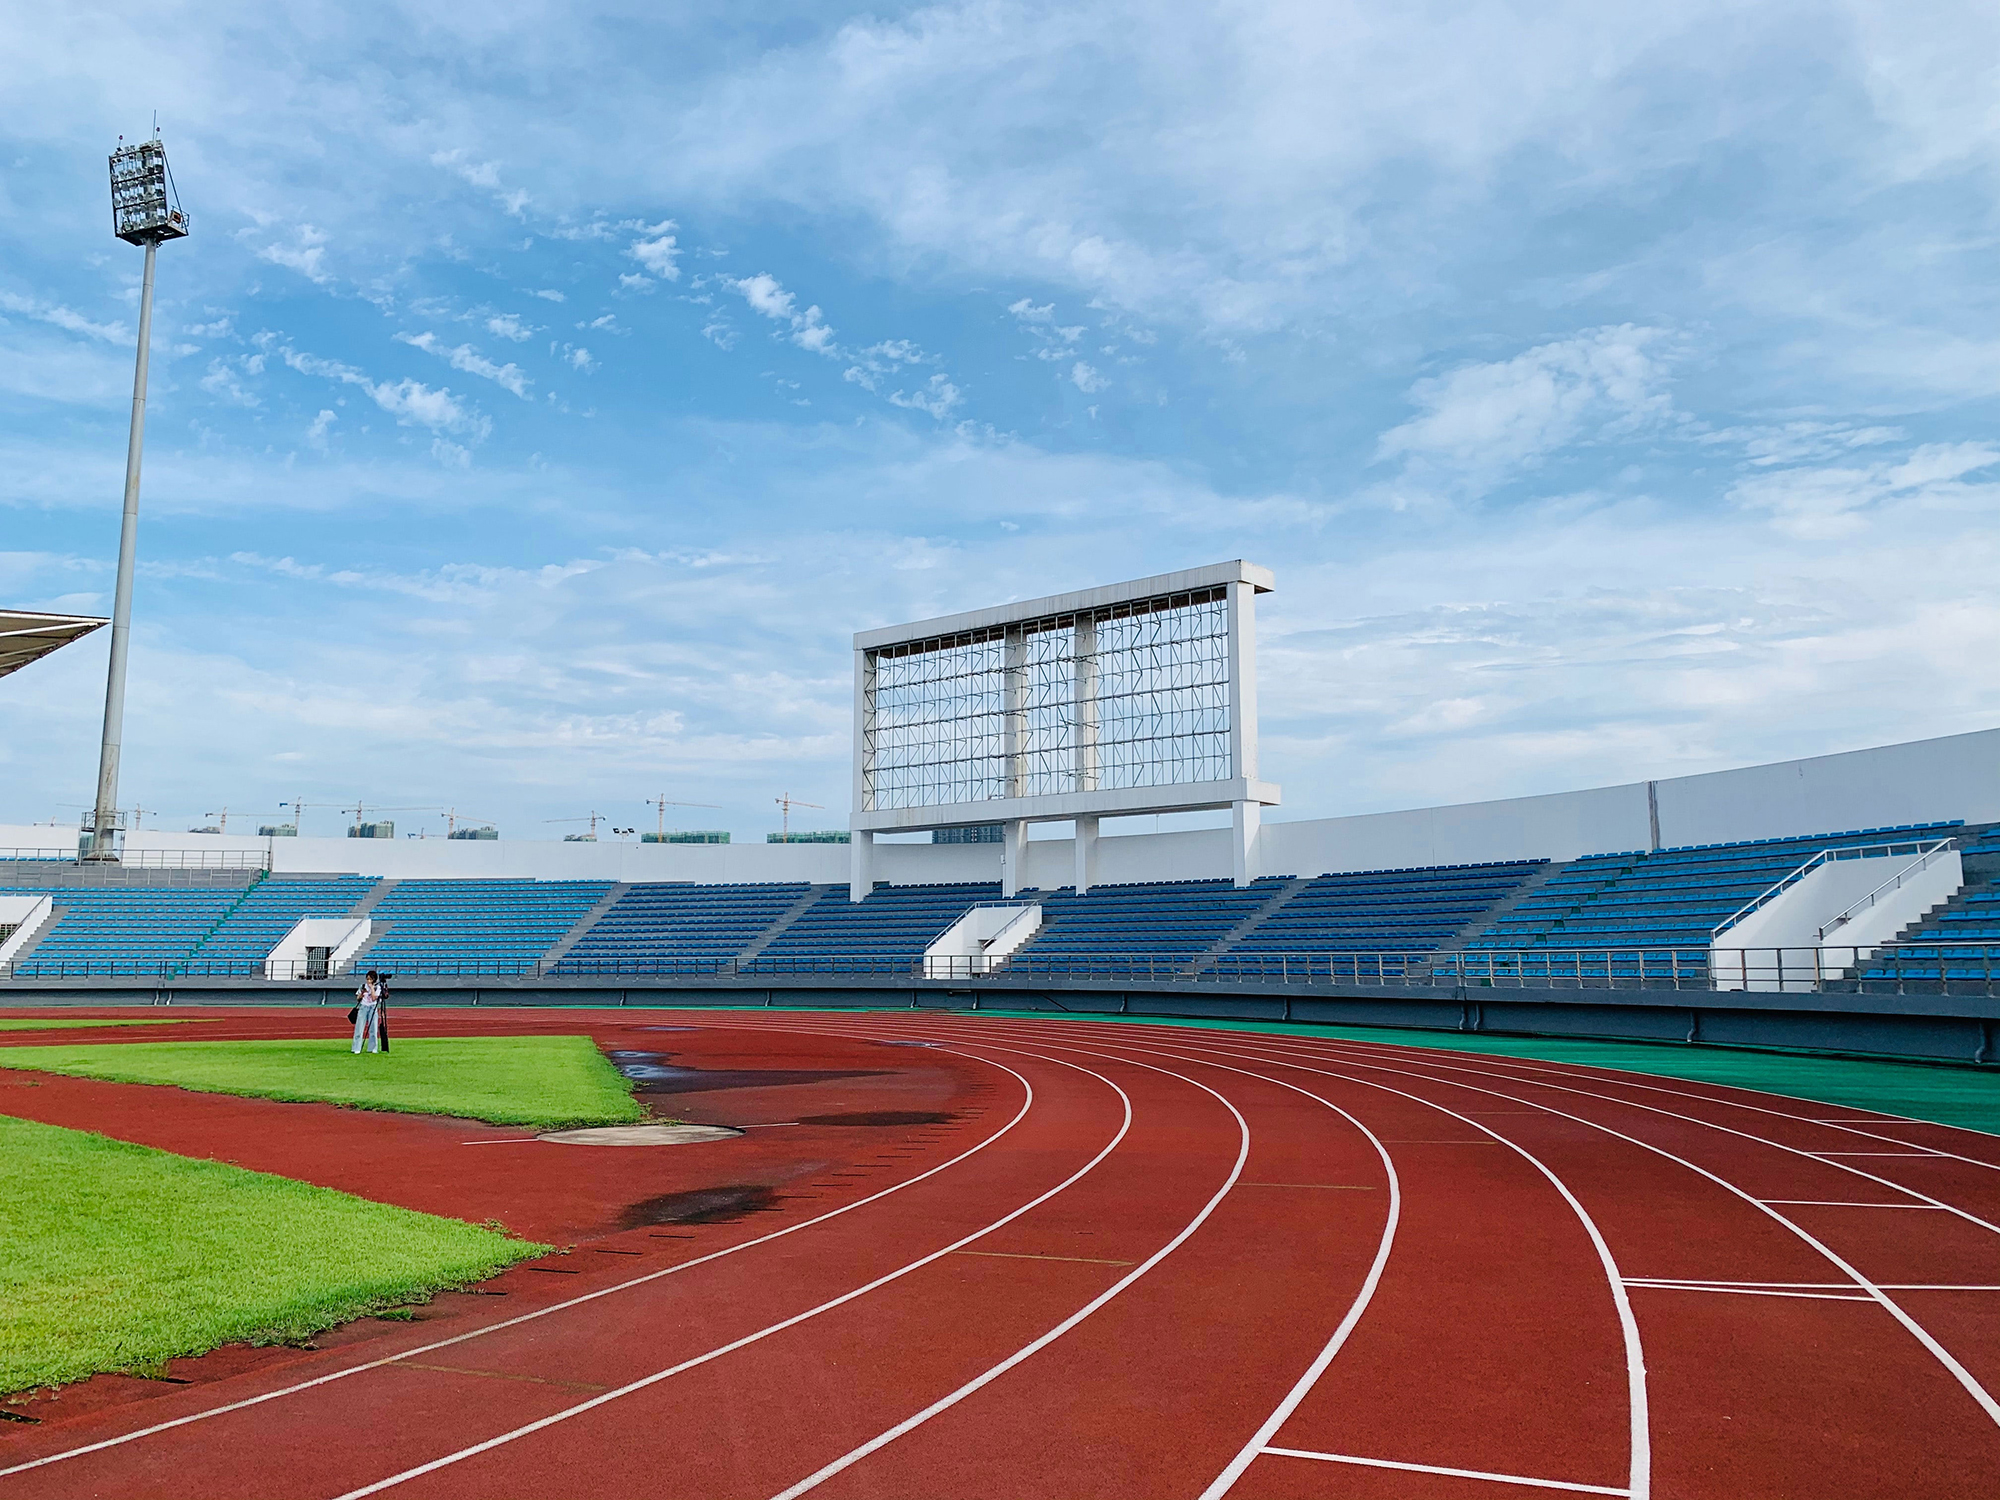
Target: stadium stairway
point(237, 945)
point(1277, 901)
point(1971, 916)
point(891, 924)
point(663, 927)
point(473, 927)
point(1666, 904)
point(587, 921)
point(1394, 916)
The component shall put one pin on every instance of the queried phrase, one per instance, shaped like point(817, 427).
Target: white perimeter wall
point(1925, 780)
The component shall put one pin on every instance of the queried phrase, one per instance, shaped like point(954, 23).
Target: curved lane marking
point(979, 1382)
point(674, 1270)
point(1944, 1356)
point(645, 1381)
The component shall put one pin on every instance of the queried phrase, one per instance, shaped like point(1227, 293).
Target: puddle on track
point(653, 1074)
point(882, 1117)
point(711, 1205)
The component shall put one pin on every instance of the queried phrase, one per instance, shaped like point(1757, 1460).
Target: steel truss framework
point(1127, 695)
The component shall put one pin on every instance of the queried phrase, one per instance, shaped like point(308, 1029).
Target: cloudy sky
point(547, 391)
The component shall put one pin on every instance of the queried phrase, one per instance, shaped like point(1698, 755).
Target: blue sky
point(547, 391)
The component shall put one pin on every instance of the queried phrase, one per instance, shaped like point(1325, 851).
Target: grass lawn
point(66, 1023)
point(120, 1257)
point(541, 1081)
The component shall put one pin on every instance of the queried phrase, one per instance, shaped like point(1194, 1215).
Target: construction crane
point(593, 820)
point(223, 818)
point(661, 803)
point(451, 820)
point(788, 802)
point(360, 808)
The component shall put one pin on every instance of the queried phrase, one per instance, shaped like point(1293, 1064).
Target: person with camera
point(367, 1013)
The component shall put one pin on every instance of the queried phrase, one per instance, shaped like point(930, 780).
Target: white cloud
point(305, 254)
point(1087, 379)
point(58, 316)
point(409, 401)
point(657, 252)
point(465, 357)
point(481, 174)
point(549, 294)
point(939, 397)
point(719, 334)
point(766, 295)
point(1830, 502)
point(225, 378)
point(322, 426)
point(1483, 422)
point(508, 326)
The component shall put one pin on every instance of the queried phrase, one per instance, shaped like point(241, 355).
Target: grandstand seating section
point(130, 931)
point(271, 908)
point(1118, 929)
point(1378, 912)
point(1662, 905)
point(1971, 918)
point(890, 922)
point(663, 927)
point(477, 926)
point(1666, 903)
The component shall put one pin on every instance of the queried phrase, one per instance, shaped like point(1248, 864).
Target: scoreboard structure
point(1132, 698)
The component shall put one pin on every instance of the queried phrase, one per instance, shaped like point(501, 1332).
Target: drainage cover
point(642, 1135)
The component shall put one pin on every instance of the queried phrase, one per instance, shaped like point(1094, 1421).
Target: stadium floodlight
point(145, 210)
point(1137, 697)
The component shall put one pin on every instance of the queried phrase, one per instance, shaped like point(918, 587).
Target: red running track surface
point(1090, 1260)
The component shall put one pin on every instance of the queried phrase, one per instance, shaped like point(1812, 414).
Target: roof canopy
point(26, 636)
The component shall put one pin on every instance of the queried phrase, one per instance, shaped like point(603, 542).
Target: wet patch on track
point(651, 1073)
point(882, 1117)
point(710, 1205)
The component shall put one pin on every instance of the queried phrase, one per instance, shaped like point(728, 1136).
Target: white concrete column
point(1083, 702)
point(1014, 710)
point(1086, 854)
point(860, 864)
point(1013, 856)
point(1243, 680)
point(1245, 818)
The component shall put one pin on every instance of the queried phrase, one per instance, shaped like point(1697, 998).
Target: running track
point(1167, 1262)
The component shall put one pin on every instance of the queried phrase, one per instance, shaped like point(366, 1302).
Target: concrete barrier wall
point(1957, 776)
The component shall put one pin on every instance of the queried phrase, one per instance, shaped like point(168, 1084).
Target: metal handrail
point(1660, 967)
point(146, 859)
point(1894, 882)
point(1828, 856)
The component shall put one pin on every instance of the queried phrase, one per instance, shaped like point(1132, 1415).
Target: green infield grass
point(67, 1023)
point(540, 1081)
point(120, 1257)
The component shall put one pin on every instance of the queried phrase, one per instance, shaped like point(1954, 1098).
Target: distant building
point(825, 836)
point(978, 833)
point(687, 836)
point(473, 833)
point(277, 830)
point(579, 838)
point(382, 830)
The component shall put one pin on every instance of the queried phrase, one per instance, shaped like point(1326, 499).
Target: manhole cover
point(642, 1135)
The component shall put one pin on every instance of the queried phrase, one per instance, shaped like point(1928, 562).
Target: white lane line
point(1853, 1295)
point(1944, 1356)
point(882, 1440)
point(512, 1140)
point(1939, 1154)
point(1641, 1444)
point(674, 1270)
point(1641, 1466)
point(1383, 1463)
point(1929, 1208)
point(1654, 1109)
point(1527, 1070)
point(645, 1381)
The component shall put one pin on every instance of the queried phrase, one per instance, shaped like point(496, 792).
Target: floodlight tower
point(145, 210)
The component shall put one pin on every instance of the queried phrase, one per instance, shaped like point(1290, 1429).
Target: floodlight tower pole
point(143, 212)
point(104, 817)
